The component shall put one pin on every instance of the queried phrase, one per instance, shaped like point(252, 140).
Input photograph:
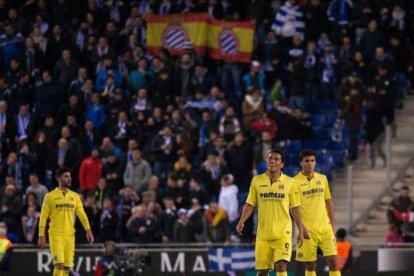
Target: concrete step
point(368, 183)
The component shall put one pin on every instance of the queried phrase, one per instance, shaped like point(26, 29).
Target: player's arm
point(80, 213)
point(329, 205)
point(331, 213)
point(44, 215)
point(247, 212)
point(298, 220)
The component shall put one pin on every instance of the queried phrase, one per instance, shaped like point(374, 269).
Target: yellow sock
point(66, 272)
point(334, 273)
point(282, 273)
point(310, 273)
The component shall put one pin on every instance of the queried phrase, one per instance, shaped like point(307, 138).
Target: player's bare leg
point(333, 266)
point(262, 273)
point(310, 269)
point(59, 270)
point(280, 267)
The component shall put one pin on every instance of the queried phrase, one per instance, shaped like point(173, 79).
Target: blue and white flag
point(231, 259)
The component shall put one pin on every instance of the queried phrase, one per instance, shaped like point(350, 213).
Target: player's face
point(308, 164)
point(274, 162)
point(65, 180)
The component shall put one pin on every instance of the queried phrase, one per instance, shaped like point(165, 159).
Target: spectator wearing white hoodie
point(228, 197)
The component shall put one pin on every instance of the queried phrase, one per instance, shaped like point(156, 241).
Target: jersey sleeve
point(327, 190)
point(252, 197)
point(44, 215)
point(294, 195)
point(80, 213)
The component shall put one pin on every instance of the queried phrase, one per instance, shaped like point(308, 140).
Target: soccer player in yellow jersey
point(317, 215)
point(274, 194)
point(60, 207)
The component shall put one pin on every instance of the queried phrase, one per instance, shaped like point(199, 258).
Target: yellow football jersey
point(61, 208)
point(273, 201)
point(313, 193)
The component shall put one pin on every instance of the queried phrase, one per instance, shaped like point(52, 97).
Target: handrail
point(387, 190)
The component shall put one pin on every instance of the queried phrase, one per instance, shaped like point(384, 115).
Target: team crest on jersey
point(300, 255)
point(228, 42)
point(281, 186)
point(71, 198)
point(318, 182)
point(174, 37)
point(287, 245)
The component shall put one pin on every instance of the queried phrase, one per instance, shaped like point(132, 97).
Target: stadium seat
point(328, 106)
point(334, 146)
point(321, 133)
point(323, 119)
point(294, 145)
point(313, 145)
point(326, 170)
point(291, 171)
point(241, 198)
point(292, 159)
point(261, 167)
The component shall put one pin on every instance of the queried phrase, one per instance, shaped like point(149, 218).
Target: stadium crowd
point(161, 145)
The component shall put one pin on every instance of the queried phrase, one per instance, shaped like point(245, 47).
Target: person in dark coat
point(106, 221)
point(47, 97)
point(182, 232)
point(374, 128)
point(167, 220)
point(239, 159)
point(141, 228)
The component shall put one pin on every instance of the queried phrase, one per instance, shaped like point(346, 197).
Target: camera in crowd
point(122, 261)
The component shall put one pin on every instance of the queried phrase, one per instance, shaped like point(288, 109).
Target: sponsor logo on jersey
point(272, 195)
point(65, 206)
point(312, 192)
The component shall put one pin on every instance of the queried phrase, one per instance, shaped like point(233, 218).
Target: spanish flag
point(175, 31)
point(230, 41)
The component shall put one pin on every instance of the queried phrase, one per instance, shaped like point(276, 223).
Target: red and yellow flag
point(231, 41)
point(176, 30)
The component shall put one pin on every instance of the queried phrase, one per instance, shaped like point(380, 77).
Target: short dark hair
point(305, 153)
point(61, 171)
point(278, 151)
point(406, 188)
point(341, 233)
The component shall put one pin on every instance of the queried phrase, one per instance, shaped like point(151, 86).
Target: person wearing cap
point(182, 232)
point(255, 78)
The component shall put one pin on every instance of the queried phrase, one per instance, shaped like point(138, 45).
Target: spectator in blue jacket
point(103, 74)
point(96, 111)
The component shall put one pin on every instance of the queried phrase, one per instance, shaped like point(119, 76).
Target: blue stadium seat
point(291, 171)
point(328, 106)
point(294, 145)
point(292, 159)
point(313, 145)
point(323, 119)
point(334, 146)
point(326, 170)
point(241, 197)
point(317, 119)
point(321, 133)
point(261, 167)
